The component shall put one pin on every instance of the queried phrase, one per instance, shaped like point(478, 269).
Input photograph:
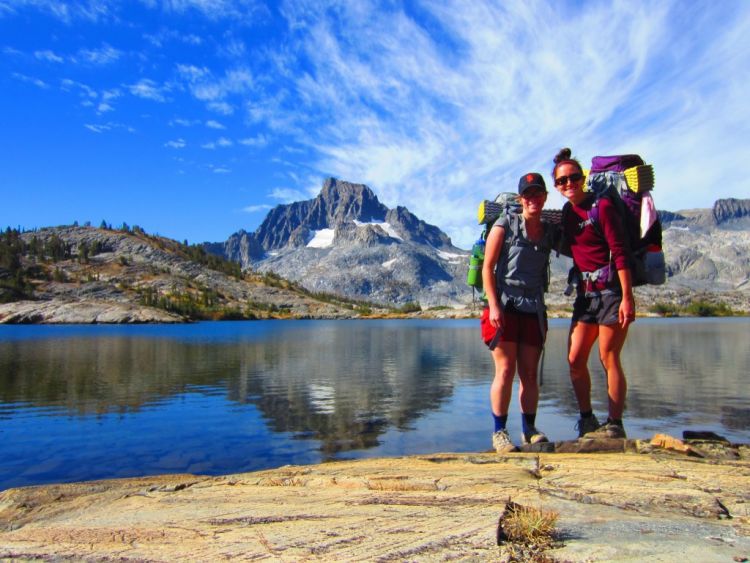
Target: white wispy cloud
point(241, 10)
point(257, 141)
point(182, 122)
point(176, 144)
point(66, 84)
point(287, 195)
point(223, 108)
point(102, 127)
point(165, 35)
point(91, 98)
point(148, 89)
point(105, 97)
point(214, 91)
point(66, 11)
point(104, 55)
point(70, 11)
point(220, 142)
point(233, 48)
point(38, 82)
point(49, 56)
point(96, 128)
point(256, 208)
point(220, 170)
point(213, 124)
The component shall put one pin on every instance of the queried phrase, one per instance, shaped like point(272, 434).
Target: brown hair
point(564, 157)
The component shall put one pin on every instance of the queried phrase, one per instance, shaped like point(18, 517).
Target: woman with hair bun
point(604, 305)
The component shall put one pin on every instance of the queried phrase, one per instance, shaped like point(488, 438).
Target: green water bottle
point(474, 276)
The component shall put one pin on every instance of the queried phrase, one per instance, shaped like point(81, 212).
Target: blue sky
point(192, 118)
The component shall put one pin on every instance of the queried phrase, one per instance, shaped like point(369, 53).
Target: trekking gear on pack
point(504, 205)
point(627, 181)
point(488, 213)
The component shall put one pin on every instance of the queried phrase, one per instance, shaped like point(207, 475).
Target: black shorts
point(601, 309)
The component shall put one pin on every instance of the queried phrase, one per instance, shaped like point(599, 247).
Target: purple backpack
point(617, 163)
point(628, 204)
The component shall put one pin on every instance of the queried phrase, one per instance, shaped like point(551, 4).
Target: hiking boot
point(587, 425)
point(534, 437)
point(501, 442)
point(607, 430)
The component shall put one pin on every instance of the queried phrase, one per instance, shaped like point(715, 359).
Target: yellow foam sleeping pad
point(640, 178)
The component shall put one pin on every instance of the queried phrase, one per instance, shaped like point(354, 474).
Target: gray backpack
point(523, 269)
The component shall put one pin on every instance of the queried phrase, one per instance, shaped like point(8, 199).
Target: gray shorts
point(600, 309)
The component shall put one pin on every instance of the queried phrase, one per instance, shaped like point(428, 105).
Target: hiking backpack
point(504, 205)
point(626, 180)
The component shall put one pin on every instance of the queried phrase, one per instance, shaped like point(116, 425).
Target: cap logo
point(529, 177)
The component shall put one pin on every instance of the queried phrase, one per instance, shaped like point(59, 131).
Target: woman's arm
point(492, 250)
point(626, 313)
point(615, 236)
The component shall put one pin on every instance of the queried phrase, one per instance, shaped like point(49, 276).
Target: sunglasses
point(533, 195)
point(562, 180)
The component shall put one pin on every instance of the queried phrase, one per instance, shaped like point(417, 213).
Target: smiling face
point(569, 182)
point(532, 201)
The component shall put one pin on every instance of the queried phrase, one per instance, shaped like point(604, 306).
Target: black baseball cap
point(531, 180)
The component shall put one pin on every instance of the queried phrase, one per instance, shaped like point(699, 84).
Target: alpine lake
point(83, 402)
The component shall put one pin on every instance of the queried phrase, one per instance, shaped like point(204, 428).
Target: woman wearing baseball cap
point(514, 322)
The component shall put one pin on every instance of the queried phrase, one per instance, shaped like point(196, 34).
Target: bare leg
point(501, 389)
point(580, 341)
point(528, 362)
point(611, 341)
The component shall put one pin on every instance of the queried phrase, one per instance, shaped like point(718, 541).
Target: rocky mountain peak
point(340, 201)
point(731, 208)
point(418, 231)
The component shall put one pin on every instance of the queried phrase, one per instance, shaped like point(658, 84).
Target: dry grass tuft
point(525, 533)
point(528, 524)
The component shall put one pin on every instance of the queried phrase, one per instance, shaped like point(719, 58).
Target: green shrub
point(665, 309)
point(703, 308)
point(409, 308)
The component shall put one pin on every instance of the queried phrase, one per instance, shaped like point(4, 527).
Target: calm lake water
point(91, 402)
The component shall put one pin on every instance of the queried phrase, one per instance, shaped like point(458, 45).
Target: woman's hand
point(496, 316)
point(626, 314)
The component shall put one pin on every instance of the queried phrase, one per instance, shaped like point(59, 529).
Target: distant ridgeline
point(345, 241)
point(72, 255)
point(342, 243)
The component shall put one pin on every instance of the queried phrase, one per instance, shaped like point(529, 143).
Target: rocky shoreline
point(61, 311)
point(663, 499)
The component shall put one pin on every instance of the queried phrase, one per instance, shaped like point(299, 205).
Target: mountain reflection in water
point(91, 402)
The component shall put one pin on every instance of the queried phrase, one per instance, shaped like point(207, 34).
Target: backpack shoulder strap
point(514, 226)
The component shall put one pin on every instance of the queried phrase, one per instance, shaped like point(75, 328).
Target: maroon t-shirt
point(591, 250)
